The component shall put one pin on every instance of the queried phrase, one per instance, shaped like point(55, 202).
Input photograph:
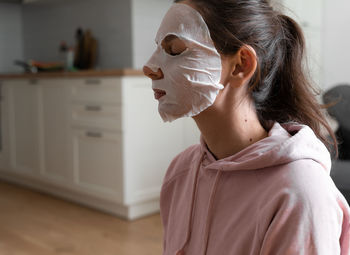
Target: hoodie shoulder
point(299, 196)
point(303, 178)
point(302, 187)
point(182, 163)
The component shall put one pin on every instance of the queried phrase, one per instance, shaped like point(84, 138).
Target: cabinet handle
point(93, 108)
point(93, 82)
point(94, 134)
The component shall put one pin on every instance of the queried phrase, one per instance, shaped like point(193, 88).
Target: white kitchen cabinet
point(121, 147)
point(96, 137)
point(96, 141)
point(24, 126)
point(39, 129)
point(54, 111)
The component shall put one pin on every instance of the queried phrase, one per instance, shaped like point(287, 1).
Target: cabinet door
point(4, 128)
point(24, 102)
point(97, 163)
point(56, 130)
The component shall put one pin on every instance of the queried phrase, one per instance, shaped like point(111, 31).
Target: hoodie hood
point(285, 143)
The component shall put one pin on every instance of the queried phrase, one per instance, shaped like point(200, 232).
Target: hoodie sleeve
point(311, 218)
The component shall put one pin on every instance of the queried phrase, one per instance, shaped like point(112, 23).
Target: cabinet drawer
point(97, 115)
point(106, 90)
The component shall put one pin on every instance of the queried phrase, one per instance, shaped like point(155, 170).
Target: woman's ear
point(244, 64)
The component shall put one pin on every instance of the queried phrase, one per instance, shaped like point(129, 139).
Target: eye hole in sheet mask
point(173, 45)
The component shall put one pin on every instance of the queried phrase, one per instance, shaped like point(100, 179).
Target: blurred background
point(82, 149)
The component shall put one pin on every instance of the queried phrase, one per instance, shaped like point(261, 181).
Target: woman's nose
point(153, 75)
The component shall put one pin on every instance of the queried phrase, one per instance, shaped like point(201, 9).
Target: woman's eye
point(173, 45)
point(174, 51)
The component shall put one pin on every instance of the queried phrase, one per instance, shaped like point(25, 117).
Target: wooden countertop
point(78, 74)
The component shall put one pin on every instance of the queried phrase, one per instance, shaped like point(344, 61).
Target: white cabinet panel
point(24, 100)
point(55, 121)
point(98, 162)
point(106, 90)
point(97, 115)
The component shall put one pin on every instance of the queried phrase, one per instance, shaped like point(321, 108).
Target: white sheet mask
point(191, 79)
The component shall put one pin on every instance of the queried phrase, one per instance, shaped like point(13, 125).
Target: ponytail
point(292, 97)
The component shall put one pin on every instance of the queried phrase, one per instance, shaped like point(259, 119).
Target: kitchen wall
point(146, 18)
point(125, 30)
point(47, 23)
point(336, 38)
point(10, 36)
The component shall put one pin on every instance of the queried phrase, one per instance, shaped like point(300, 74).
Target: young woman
point(258, 183)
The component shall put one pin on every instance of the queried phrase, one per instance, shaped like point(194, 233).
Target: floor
point(32, 223)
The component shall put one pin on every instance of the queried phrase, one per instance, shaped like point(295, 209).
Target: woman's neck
point(228, 129)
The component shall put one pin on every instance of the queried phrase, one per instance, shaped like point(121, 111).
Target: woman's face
point(186, 67)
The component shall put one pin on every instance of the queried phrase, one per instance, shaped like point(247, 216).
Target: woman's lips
point(158, 93)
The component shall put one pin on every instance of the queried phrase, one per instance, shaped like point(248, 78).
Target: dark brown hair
point(281, 88)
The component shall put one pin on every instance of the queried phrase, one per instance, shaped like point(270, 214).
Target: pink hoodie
point(275, 197)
